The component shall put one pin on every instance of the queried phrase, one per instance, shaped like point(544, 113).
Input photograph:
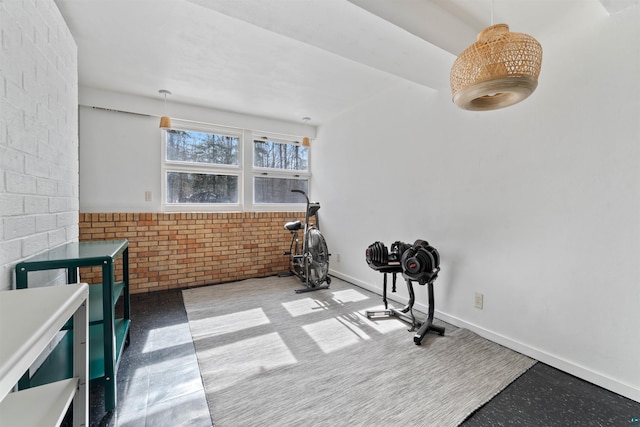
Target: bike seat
point(293, 226)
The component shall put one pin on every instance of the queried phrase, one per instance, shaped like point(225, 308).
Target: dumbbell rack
point(406, 313)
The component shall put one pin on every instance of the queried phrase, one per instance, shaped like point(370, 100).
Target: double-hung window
point(214, 168)
point(202, 168)
point(279, 166)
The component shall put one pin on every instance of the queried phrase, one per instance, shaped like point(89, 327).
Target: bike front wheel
point(317, 263)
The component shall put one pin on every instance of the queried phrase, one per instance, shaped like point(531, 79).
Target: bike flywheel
point(318, 264)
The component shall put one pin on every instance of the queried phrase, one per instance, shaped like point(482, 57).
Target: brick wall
point(38, 134)
point(179, 250)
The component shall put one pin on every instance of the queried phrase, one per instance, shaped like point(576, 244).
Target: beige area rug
point(271, 357)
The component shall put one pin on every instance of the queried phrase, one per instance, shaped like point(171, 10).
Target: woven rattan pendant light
point(500, 69)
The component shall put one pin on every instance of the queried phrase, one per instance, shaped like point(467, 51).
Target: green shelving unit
point(108, 335)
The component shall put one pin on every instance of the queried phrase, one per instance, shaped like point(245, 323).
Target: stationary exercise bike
point(309, 259)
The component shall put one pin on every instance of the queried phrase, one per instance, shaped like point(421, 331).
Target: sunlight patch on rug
point(236, 362)
point(334, 334)
point(228, 323)
point(303, 306)
point(349, 295)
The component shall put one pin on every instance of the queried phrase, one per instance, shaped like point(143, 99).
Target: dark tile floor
point(159, 383)
point(158, 378)
point(545, 396)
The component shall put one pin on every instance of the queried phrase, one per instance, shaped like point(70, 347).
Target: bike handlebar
point(301, 192)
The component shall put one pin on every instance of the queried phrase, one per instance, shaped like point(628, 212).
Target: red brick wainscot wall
point(180, 250)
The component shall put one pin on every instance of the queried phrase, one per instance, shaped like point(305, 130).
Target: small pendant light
point(165, 121)
point(306, 142)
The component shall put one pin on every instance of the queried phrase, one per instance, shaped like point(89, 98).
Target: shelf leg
point(81, 365)
point(110, 383)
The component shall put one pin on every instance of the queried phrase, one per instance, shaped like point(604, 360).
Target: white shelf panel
point(29, 319)
point(43, 406)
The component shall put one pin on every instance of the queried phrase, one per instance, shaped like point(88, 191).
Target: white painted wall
point(120, 153)
point(535, 206)
point(119, 161)
point(38, 133)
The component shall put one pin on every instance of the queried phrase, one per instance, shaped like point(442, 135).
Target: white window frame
point(189, 167)
point(278, 173)
point(245, 171)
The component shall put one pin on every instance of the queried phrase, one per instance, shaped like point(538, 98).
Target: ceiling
point(288, 59)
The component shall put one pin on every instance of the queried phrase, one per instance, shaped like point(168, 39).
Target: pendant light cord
point(491, 12)
point(165, 103)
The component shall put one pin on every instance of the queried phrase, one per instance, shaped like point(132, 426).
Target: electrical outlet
point(338, 258)
point(148, 196)
point(479, 300)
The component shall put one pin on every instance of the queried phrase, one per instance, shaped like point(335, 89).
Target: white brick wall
point(38, 134)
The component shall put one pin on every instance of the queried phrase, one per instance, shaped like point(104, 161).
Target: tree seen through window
point(199, 147)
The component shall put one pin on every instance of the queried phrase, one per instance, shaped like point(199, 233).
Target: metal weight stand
point(382, 264)
point(406, 313)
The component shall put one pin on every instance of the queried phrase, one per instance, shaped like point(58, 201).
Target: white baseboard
point(557, 362)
